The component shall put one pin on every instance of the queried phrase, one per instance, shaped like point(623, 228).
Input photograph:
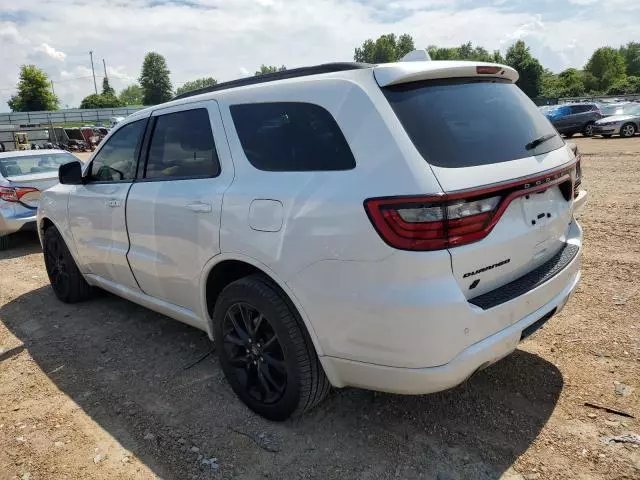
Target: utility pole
point(52, 89)
point(105, 70)
point(95, 86)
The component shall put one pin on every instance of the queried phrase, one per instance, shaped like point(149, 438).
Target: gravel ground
point(107, 389)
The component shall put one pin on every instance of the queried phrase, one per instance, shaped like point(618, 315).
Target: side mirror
point(70, 173)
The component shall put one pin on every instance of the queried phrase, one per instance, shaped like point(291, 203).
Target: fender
point(212, 262)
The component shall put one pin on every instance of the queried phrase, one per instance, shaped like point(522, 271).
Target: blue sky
point(231, 38)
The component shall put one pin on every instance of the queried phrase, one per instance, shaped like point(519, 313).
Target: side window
point(291, 137)
point(182, 146)
point(117, 159)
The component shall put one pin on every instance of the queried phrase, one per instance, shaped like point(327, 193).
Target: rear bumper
point(403, 324)
point(11, 222)
point(428, 380)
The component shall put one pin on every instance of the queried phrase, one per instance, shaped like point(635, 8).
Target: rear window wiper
point(538, 141)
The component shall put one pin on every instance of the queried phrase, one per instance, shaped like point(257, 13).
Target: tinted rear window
point(291, 137)
point(464, 123)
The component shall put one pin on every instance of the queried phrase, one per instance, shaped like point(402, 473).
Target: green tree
point(387, 48)
point(196, 85)
point(154, 79)
point(625, 86)
point(551, 85)
point(100, 101)
point(497, 57)
point(572, 83)
point(132, 95)
point(607, 65)
point(466, 51)
point(631, 54)
point(269, 69)
point(529, 68)
point(106, 88)
point(34, 91)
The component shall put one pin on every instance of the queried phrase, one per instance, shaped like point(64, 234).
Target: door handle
point(199, 207)
point(113, 202)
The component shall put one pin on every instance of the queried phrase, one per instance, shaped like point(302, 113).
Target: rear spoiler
point(404, 72)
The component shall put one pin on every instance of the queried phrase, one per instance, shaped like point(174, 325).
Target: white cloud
point(231, 38)
point(50, 51)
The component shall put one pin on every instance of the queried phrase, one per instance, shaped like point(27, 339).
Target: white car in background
point(394, 227)
point(625, 123)
point(23, 176)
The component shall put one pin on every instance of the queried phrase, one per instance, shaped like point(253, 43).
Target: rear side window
point(182, 146)
point(580, 108)
point(291, 137)
point(465, 123)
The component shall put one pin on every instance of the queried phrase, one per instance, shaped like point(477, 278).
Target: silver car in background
point(626, 122)
point(23, 175)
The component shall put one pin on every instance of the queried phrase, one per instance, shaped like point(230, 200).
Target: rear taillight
point(447, 220)
point(578, 180)
point(14, 194)
point(431, 223)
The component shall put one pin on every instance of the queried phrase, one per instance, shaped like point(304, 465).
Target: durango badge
point(484, 269)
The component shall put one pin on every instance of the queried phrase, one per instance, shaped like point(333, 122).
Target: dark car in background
point(572, 118)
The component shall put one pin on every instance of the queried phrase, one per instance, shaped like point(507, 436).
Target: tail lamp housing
point(14, 194)
point(436, 222)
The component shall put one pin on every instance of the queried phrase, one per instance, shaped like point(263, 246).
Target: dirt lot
point(105, 389)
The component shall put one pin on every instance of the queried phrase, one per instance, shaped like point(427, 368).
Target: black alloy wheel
point(255, 353)
point(57, 267)
point(265, 350)
point(66, 280)
point(588, 130)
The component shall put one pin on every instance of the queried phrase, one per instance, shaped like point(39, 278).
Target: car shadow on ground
point(21, 244)
point(149, 382)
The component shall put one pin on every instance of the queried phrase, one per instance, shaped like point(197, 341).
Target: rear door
point(97, 209)
point(477, 135)
point(174, 208)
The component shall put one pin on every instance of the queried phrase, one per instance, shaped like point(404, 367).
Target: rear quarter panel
point(323, 212)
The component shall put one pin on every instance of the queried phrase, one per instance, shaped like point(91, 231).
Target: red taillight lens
point(14, 194)
point(430, 223)
point(578, 181)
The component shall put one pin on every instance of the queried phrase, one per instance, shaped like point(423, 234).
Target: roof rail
point(283, 75)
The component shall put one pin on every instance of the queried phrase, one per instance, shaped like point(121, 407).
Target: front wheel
point(628, 130)
point(265, 352)
point(587, 131)
point(66, 280)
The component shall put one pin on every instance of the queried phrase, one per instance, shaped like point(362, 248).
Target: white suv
point(393, 227)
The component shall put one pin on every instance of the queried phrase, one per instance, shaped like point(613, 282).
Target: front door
point(97, 208)
point(174, 208)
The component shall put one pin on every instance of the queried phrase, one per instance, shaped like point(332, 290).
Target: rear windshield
point(467, 122)
point(26, 165)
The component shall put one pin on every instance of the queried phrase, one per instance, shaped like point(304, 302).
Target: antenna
point(421, 55)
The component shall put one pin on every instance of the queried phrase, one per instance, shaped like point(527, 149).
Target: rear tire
point(627, 130)
point(66, 280)
point(587, 131)
point(5, 242)
point(265, 351)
